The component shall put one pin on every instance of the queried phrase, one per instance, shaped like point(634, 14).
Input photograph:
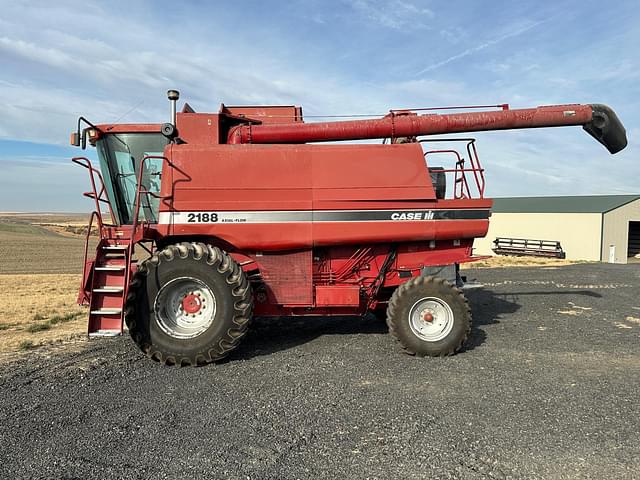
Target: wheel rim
point(431, 319)
point(184, 307)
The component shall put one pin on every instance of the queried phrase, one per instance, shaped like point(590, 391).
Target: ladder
point(105, 279)
point(108, 287)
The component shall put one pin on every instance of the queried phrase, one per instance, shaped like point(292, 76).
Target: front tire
point(429, 317)
point(188, 304)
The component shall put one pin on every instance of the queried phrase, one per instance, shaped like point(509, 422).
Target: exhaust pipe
point(173, 96)
point(169, 130)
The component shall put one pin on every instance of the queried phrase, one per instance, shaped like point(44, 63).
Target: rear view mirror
point(79, 139)
point(75, 139)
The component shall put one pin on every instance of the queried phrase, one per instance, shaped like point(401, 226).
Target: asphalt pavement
point(547, 387)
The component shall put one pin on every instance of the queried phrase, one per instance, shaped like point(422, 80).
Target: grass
point(37, 327)
point(67, 317)
point(54, 320)
point(24, 228)
point(39, 307)
point(26, 345)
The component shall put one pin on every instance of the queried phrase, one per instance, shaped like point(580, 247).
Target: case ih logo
point(429, 215)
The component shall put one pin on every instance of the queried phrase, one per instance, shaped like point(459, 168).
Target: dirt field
point(28, 247)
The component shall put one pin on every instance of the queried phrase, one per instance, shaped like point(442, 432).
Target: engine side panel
point(357, 278)
point(281, 197)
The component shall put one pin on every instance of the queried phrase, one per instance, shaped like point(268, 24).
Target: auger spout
point(599, 121)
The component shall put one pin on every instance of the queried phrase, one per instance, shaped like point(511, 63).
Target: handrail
point(460, 180)
point(475, 165)
point(461, 184)
point(98, 197)
point(92, 195)
point(136, 211)
point(94, 214)
point(88, 166)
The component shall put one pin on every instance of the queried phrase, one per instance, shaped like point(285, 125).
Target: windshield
point(120, 156)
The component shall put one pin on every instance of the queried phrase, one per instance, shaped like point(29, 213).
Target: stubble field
point(40, 268)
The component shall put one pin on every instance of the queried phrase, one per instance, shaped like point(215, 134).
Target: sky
point(114, 61)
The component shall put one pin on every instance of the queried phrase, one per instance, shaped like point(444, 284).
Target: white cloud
point(29, 51)
point(395, 14)
point(475, 49)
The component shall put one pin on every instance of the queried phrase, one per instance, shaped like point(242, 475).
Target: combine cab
point(215, 218)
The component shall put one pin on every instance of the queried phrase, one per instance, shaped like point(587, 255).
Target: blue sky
point(115, 60)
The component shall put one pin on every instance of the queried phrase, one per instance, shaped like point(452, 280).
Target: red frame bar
point(460, 170)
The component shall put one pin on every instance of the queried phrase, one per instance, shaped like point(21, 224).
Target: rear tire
point(188, 304)
point(429, 317)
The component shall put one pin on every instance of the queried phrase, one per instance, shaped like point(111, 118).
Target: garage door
point(634, 239)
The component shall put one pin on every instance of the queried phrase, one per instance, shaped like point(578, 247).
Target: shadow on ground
point(269, 335)
point(487, 307)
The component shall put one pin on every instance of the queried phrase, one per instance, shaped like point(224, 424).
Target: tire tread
point(238, 286)
point(399, 297)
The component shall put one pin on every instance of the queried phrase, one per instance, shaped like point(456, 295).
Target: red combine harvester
point(241, 214)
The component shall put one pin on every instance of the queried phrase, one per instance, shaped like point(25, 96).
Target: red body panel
point(270, 114)
point(199, 128)
point(338, 295)
point(307, 178)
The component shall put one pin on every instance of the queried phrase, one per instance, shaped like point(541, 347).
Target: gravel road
point(548, 387)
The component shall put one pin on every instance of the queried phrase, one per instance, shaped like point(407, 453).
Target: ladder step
point(110, 268)
point(115, 247)
point(107, 311)
point(105, 333)
point(108, 289)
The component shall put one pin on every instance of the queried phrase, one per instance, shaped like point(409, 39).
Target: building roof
point(565, 204)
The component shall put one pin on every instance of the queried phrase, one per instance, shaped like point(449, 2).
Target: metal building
point(599, 228)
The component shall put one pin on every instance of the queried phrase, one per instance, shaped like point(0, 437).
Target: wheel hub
point(431, 319)
point(184, 307)
point(191, 303)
